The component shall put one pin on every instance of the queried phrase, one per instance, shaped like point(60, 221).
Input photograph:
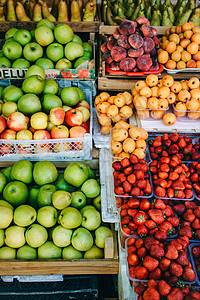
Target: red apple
point(2, 124)
point(57, 115)
point(41, 134)
point(86, 113)
point(86, 126)
point(16, 121)
point(77, 132)
point(84, 103)
point(74, 117)
point(8, 134)
point(60, 132)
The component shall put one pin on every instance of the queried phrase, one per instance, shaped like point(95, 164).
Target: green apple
point(61, 236)
point(82, 239)
point(82, 96)
point(97, 202)
point(91, 173)
point(32, 51)
point(1, 53)
point(6, 216)
point(33, 193)
point(50, 87)
point(101, 234)
point(12, 50)
point(55, 52)
point(16, 193)
point(49, 251)
point(50, 101)
point(70, 252)
point(4, 62)
point(21, 63)
point(33, 85)
point(61, 199)
point(77, 39)
point(32, 32)
point(70, 218)
point(14, 236)
point(76, 174)
point(2, 237)
point(3, 182)
point(29, 104)
point(1, 91)
point(73, 50)
point(61, 184)
point(87, 54)
point(22, 36)
point(36, 235)
point(7, 253)
point(87, 207)
point(6, 172)
point(6, 204)
point(26, 252)
point(24, 215)
point(47, 216)
point(44, 172)
point(44, 35)
point(10, 33)
point(91, 188)
point(94, 253)
point(91, 219)
point(63, 64)
point(63, 33)
point(70, 96)
point(79, 61)
point(45, 194)
point(78, 200)
point(45, 22)
point(35, 70)
point(22, 170)
point(45, 63)
point(87, 47)
point(12, 93)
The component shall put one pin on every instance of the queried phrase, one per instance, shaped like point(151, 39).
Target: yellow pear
point(37, 12)
point(20, 12)
point(46, 13)
point(62, 11)
point(75, 11)
point(11, 16)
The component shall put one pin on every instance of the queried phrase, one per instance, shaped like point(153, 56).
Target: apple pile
point(157, 290)
point(132, 47)
point(47, 46)
point(41, 110)
point(131, 177)
point(152, 259)
point(145, 217)
point(194, 168)
point(40, 218)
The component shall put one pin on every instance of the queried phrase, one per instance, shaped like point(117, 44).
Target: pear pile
point(47, 215)
point(165, 14)
point(61, 11)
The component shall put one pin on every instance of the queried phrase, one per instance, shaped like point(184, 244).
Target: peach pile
point(112, 109)
point(180, 47)
point(132, 47)
point(128, 139)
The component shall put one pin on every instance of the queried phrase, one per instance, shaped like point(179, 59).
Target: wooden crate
point(108, 265)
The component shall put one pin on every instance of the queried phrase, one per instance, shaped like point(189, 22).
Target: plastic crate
point(53, 149)
point(72, 287)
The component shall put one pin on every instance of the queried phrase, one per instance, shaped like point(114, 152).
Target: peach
point(181, 36)
point(184, 43)
point(186, 26)
point(185, 56)
point(146, 30)
point(170, 64)
point(196, 38)
point(123, 41)
point(171, 47)
point(136, 52)
point(144, 62)
point(127, 64)
point(164, 38)
point(111, 42)
point(163, 57)
point(196, 56)
point(176, 56)
point(127, 27)
point(178, 29)
point(116, 147)
point(191, 24)
point(191, 64)
point(135, 40)
point(193, 48)
point(196, 29)
point(165, 43)
point(159, 51)
point(148, 44)
point(179, 48)
point(174, 38)
point(118, 53)
point(188, 34)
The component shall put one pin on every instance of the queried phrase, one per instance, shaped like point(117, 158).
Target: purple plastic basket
point(190, 247)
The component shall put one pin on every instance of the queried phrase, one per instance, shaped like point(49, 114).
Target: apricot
point(176, 87)
point(106, 129)
point(180, 109)
point(104, 120)
point(129, 145)
point(184, 42)
point(126, 112)
point(163, 92)
point(170, 64)
point(195, 93)
point(169, 119)
point(140, 153)
point(191, 63)
point(181, 65)
point(120, 134)
point(178, 29)
point(179, 48)
point(141, 144)
point(192, 104)
point(143, 114)
point(135, 133)
point(116, 147)
point(145, 91)
point(164, 44)
point(154, 91)
point(196, 30)
point(152, 80)
point(97, 101)
point(185, 56)
point(184, 95)
point(157, 114)
point(171, 47)
point(188, 34)
point(191, 24)
point(196, 56)
point(119, 100)
point(124, 154)
point(112, 111)
point(140, 84)
point(140, 102)
point(111, 99)
point(103, 96)
point(128, 97)
point(176, 56)
point(184, 85)
point(144, 134)
point(163, 57)
point(163, 104)
point(153, 103)
point(193, 83)
point(117, 118)
point(174, 38)
point(159, 50)
point(168, 80)
point(102, 107)
point(186, 26)
point(193, 48)
point(196, 38)
point(171, 98)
